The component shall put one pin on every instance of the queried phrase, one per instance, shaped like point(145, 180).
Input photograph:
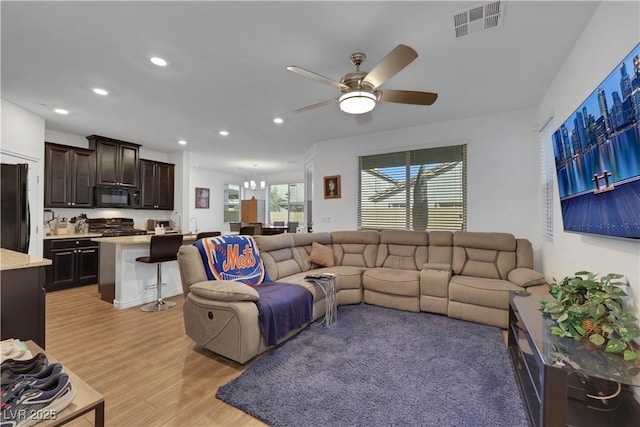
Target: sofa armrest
point(436, 266)
point(524, 277)
point(224, 290)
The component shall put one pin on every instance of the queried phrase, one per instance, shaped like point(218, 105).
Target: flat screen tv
point(597, 157)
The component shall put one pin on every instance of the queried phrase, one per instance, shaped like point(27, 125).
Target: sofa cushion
point(484, 255)
point(224, 290)
point(526, 277)
point(355, 248)
point(392, 281)
point(481, 291)
point(321, 255)
point(406, 250)
point(302, 245)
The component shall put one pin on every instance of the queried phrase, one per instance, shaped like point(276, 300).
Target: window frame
point(397, 176)
point(226, 203)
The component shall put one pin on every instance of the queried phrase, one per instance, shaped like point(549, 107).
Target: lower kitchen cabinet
point(74, 262)
point(22, 304)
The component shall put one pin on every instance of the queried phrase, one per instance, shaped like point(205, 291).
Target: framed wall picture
point(332, 187)
point(202, 198)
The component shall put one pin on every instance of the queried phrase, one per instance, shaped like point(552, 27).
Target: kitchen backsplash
point(140, 216)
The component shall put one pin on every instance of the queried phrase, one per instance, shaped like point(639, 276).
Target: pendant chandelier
point(252, 184)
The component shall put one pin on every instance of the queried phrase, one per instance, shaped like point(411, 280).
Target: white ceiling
point(227, 69)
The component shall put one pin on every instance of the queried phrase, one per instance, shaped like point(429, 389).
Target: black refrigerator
point(14, 215)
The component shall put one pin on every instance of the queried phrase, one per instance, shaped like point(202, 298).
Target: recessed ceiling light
point(100, 91)
point(278, 120)
point(158, 61)
point(224, 133)
point(61, 111)
point(182, 142)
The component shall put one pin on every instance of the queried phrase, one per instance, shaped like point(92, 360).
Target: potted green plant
point(588, 307)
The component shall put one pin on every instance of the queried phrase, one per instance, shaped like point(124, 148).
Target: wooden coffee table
point(87, 399)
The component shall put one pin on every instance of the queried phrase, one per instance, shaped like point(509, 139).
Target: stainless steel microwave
point(114, 197)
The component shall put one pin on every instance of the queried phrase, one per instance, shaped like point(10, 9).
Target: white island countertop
point(125, 282)
point(12, 260)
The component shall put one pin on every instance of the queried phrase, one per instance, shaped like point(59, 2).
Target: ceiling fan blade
point(396, 60)
point(408, 97)
point(319, 104)
point(315, 76)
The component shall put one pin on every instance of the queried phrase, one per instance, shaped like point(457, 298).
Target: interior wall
point(211, 219)
point(607, 39)
point(502, 171)
point(23, 142)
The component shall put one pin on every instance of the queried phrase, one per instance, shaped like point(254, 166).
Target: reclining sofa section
point(464, 275)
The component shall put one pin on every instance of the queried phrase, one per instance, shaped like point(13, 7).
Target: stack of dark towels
point(33, 390)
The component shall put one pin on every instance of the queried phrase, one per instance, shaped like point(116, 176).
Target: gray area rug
point(383, 367)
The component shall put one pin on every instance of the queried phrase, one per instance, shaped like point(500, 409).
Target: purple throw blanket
point(282, 308)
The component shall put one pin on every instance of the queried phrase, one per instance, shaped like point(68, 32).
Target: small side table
point(327, 282)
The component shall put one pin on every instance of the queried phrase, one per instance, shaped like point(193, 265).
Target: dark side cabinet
point(157, 185)
point(22, 304)
point(74, 262)
point(69, 176)
point(117, 161)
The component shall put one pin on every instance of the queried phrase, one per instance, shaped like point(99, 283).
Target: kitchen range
point(114, 227)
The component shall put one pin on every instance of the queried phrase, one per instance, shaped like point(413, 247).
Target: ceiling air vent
point(478, 18)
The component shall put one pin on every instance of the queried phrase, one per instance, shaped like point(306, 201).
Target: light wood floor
point(149, 371)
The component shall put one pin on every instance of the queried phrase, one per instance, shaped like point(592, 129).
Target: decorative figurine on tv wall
point(332, 187)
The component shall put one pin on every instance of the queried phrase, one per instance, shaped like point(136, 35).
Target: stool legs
point(159, 304)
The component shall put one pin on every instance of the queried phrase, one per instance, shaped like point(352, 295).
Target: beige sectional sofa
point(464, 275)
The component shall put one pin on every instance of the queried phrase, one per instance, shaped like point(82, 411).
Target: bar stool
point(163, 248)
point(203, 234)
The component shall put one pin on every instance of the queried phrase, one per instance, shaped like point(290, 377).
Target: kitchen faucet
point(196, 220)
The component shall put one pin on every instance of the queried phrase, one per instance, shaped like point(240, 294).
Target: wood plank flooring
point(149, 371)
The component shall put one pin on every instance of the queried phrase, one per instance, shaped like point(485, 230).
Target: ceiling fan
point(359, 89)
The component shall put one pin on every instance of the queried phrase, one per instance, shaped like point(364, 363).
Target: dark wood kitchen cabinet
point(74, 262)
point(23, 304)
point(156, 185)
point(69, 176)
point(116, 161)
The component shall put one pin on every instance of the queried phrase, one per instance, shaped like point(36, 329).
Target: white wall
point(211, 219)
point(23, 142)
point(607, 39)
point(502, 181)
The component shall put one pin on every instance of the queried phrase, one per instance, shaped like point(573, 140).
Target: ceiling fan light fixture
point(357, 102)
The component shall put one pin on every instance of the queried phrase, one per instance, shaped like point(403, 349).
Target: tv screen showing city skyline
point(597, 156)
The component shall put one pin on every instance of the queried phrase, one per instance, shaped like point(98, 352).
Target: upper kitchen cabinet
point(69, 176)
point(156, 185)
point(117, 161)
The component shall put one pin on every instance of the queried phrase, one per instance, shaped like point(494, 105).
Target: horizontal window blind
point(547, 171)
point(414, 190)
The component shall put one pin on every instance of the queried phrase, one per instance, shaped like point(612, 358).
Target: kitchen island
point(126, 283)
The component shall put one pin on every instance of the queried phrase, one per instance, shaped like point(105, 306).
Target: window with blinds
point(547, 164)
point(414, 190)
